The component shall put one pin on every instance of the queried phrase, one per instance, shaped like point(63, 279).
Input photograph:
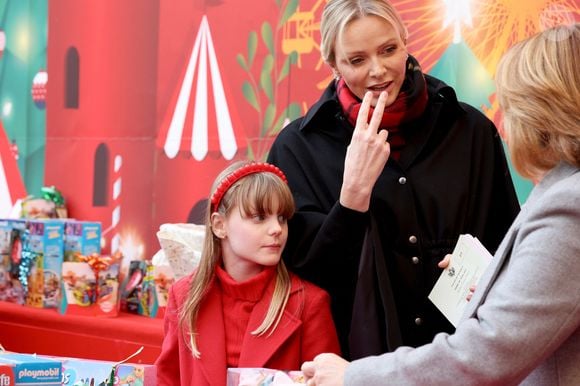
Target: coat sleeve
point(168, 361)
point(531, 309)
point(319, 333)
point(323, 234)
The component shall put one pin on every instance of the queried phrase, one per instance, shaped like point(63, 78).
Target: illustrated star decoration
point(457, 12)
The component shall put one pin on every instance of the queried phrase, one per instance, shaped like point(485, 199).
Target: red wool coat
point(305, 330)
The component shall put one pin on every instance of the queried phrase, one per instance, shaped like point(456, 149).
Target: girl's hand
point(366, 156)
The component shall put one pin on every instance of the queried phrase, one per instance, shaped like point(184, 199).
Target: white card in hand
point(468, 262)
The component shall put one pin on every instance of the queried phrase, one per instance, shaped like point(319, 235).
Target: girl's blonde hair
point(538, 88)
point(253, 193)
point(338, 13)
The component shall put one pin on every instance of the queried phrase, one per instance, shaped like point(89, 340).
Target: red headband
point(230, 179)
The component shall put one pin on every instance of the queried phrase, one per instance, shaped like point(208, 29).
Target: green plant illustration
point(275, 67)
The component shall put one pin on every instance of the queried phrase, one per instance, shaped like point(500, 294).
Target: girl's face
point(371, 56)
point(250, 242)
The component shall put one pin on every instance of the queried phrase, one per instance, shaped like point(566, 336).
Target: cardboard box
point(28, 369)
point(46, 239)
point(264, 377)
point(83, 237)
point(11, 289)
point(155, 291)
point(81, 372)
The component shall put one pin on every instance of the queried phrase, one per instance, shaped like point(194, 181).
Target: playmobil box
point(11, 289)
point(46, 242)
point(84, 294)
point(81, 237)
point(28, 369)
point(87, 372)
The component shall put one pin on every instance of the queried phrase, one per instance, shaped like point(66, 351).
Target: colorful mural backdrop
point(131, 108)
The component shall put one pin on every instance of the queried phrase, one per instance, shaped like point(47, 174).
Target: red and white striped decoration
point(116, 214)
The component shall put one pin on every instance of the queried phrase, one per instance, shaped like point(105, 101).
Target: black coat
point(451, 178)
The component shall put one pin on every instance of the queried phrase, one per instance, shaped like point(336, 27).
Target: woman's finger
point(377, 117)
point(363, 114)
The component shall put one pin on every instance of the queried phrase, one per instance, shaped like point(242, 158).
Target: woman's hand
point(366, 156)
point(445, 263)
point(325, 370)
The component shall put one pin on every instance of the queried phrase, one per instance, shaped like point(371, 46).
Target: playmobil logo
point(39, 373)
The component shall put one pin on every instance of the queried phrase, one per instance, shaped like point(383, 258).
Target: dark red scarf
point(410, 104)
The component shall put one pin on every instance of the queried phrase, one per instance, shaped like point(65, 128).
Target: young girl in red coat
point(241, 307)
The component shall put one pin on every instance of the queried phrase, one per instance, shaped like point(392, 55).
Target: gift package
point(28, 369)
point(86, 372)
point(81, 237)
point(264, 377)
point(45, 248)
point(91, 286)
point(11, 289)
point(145, 290)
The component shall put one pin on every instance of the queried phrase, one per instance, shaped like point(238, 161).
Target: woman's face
point(371, 56)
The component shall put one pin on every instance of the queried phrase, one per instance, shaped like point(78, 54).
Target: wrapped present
point(264, 377)
point(50, 204)
point(91, 286)
point(28, 369)
point(182, 245)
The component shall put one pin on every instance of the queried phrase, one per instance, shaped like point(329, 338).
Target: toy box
point(263, 377)
point(82, 237)
point(11, 289)
point(132, 286)
point(27, 369)
point(155, 291)
point(86, 372)
point(46, 241)
point(84, 295)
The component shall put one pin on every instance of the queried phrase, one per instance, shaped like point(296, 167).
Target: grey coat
point(522, 325)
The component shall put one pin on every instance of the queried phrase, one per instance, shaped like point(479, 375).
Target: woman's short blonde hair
point(338, 13)
point(538, 88)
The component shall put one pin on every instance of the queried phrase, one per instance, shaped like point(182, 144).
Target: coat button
point(418, 321)
point(413, 239)
point(402, 180)
point(415, 260)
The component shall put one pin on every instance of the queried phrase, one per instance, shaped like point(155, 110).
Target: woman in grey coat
point(522, 325)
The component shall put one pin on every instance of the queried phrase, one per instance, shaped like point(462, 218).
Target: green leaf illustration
point(291, 8)
point(266, 78)
point(269, 116)
point(250, 95)
point(267, 37)
point(242, 62)
point(252, 46)
point(291, 112)
point(290, 59)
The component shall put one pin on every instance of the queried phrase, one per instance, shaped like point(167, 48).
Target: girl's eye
point(282, 219)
